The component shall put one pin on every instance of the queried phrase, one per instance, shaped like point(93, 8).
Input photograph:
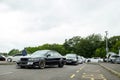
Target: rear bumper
point(71, 62)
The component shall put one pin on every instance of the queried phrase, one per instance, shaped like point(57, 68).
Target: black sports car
point(2, 58)
point(42, 58)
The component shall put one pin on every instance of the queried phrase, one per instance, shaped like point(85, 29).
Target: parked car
point(14, 58)
point(84, 59)
point(41, 58)
point(113, 58)
point(80, 60)
point(94, 60)
point(88, 60)
point(117, 60)
point(2, 58)
point(71, 58)
point(110, 57)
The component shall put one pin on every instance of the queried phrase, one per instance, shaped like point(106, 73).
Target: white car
point(113, 58)
point(14, 58)
point(80, 60)
point(95, 60)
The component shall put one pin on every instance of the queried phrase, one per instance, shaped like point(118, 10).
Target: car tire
point(42, 64)
point(18, 67)
point(61, 63)
point(9, 60)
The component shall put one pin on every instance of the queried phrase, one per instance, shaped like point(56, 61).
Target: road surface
point(68, 72)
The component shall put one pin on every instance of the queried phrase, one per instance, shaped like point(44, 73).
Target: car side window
point(56, 54)
point(18, 55)
point(50, 54)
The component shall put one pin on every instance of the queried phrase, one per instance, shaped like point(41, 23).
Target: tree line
point(91, 46)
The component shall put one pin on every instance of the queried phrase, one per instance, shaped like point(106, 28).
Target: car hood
point(29, 56)
point(70, 58)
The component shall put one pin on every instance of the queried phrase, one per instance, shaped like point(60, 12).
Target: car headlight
point(74, 59)
point(33, 59)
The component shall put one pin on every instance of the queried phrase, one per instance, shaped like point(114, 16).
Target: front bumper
point(28, 64)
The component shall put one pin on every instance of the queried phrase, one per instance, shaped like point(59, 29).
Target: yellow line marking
point(83, 76)
point(92, 78)
point(77, 71)
point(98, 70)
point(101, 74)
point(82, 67)
point(72, 76)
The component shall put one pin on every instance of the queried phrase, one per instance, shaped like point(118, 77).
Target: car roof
point(71, 54)
point(45, 51)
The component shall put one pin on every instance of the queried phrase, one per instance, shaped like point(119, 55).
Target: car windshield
point(2, 56)
point(71, 56)
point(18, 55)
point(39, 53)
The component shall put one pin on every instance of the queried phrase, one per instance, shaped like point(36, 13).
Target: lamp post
point(118, 51)
point(106, 44)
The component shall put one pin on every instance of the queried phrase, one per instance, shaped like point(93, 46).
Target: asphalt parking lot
point(68, 72)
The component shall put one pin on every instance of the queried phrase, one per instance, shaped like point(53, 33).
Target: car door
point(17, 57)
point(52, 58)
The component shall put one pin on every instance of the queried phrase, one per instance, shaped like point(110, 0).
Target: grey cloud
point(52, 13)
point(43, 15)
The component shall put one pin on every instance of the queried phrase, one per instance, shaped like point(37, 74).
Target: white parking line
point(6, 73)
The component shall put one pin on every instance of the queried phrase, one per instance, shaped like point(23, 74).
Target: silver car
point(117, 60)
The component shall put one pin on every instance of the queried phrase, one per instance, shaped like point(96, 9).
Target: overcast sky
point(25, 23)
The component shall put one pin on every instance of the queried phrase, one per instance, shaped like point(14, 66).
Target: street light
point(106, 42)
point(118, 51)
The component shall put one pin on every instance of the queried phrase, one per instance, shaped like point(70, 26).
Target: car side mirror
point(77, 57)
point(48, 55)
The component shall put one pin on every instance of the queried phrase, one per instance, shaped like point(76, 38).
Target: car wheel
point(61, 63)
point(9, 60)
point(42, 64)
point(18, 67)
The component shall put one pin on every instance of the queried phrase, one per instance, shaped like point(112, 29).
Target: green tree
point(13, 52)
point(83, 46)
point(71, 44)
point(94, 43)
point(116, 47)
point(88, 45)
point(56, 47)
point(30, 50)
point(100, 52)
point(112, 41)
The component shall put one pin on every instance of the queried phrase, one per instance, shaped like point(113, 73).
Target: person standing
point(24, 52)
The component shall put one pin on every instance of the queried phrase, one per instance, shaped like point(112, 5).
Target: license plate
point(69, 61)
point(30, 63)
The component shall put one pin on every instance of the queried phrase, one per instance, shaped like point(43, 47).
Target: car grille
point(23, 63)
point(24, 59)
point(69, 59)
